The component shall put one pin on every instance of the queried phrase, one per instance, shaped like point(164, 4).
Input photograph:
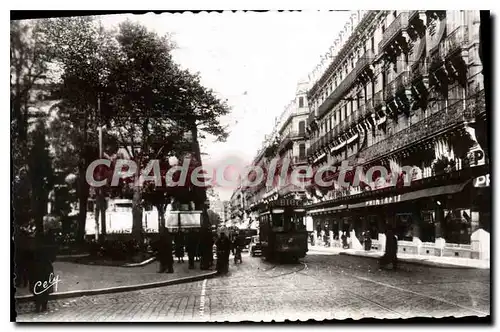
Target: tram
point(282, 231)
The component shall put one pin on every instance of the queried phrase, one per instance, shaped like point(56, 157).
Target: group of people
point(199, 247)
point(197, 244)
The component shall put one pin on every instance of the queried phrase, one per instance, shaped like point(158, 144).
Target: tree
point(40, 174)
point(214, 218)
point(27, 69)
point(79, 47)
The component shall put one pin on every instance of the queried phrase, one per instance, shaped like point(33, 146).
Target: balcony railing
point(457, 39)
point(437, 122)
point(337, 94)
point(419, 69)
point(364, 62)
point(402, 81)
point(390, 90)
point(398, 25)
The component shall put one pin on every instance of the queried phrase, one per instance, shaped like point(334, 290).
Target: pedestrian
point(368, 241)
point(391, 249)
point(205, 249)
point(191, 249)
point(179, 248)
point(345, 245)
point(223, 247)
point(165, 253)
point(42, 272)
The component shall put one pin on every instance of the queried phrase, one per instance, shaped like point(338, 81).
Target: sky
point(252, 60)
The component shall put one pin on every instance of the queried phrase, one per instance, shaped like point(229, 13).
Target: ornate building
point(285, 147)
point(404, 89)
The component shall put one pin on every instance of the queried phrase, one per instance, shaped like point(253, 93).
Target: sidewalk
point(79, 277)
point(444, 262)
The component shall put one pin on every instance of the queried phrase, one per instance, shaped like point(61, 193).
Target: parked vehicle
point(255, 246)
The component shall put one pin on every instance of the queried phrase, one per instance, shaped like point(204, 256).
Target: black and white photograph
point(251, 166)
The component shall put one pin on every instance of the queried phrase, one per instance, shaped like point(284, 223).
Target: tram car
point(283, 233)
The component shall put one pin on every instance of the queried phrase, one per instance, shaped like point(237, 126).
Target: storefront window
point(373, 227)
point(404, 229)
point(457, 226)
point(427, 227)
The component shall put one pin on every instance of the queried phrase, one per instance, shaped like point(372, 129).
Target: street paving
point(319, 287)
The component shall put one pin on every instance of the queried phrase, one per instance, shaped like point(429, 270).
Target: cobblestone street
point(322, 286)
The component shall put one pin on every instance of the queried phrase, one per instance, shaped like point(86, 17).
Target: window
point(302, 127)
point(301, 101)
point(373, 43)
point(302, 150)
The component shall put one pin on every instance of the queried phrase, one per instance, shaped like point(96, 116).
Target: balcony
point(364, 62)
point(419, 70)
point(337, 94)
point(431, 125)
point(396, 27)
point(454, 42)
point(396, 85)
point(402, 81)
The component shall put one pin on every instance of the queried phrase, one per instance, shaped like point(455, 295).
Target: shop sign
point(383, 201)
point(475, 157)
point(482, 181)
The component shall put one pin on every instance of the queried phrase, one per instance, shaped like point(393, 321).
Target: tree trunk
point(161, 217)
point(83, 197)
point(137, 210)
point(102, 209)
point(200, 192)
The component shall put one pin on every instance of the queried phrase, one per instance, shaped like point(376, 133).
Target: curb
point(146, 262)
point(72, 256)
point(421, 262)
point(90, 292)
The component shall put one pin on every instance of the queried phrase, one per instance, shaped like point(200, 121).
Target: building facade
point(404, 89)
point(286, 147)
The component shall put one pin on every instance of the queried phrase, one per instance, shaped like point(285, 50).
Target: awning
point(336, 208)
point(350, 140)
point(319, 158)
point(335, 148)
point(429, 192)
point(381, 120)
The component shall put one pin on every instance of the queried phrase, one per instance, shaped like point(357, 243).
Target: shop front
point(433, 221)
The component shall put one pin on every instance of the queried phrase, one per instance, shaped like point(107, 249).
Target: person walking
point(345, 245)
point(179, 248)
point(391, 249)
point(367, 241)
point(191, 249)
point(223, 247)
point(165, 253)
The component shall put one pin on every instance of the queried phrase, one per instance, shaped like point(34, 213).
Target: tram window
point(278, 220)
point(296, 223)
